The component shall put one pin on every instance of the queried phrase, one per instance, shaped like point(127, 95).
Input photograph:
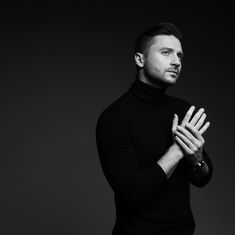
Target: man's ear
point(139, 59)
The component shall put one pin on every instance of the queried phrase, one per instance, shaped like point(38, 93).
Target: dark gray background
point(61, 65)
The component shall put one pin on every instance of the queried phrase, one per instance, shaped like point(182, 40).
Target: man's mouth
point(173, 71)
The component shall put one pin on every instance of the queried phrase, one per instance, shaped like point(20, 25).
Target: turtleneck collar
point(147, 93)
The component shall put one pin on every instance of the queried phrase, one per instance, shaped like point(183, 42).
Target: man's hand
point(189, 134)
point(197, 121)
point(188, 141)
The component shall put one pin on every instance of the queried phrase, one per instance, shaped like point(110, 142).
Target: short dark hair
point(144, 40)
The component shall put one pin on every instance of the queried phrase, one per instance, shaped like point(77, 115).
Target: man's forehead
point(166, 41)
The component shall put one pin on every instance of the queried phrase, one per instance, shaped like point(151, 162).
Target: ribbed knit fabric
point(132, 134)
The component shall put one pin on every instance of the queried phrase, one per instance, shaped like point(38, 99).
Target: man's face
point(162, 61)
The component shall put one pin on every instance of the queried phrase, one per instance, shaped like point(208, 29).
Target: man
point(150, 144)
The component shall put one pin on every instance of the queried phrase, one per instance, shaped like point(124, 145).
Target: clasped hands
point(188, 135)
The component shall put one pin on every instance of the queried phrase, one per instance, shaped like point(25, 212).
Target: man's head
point(158, 55)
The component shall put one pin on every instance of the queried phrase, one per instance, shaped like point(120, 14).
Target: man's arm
point(121, 167)
point(171, 158)
point(189, 137)
point(120, 164)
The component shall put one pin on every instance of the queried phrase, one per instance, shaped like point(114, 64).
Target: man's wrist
point(176, 151)
point(198, 164)
point(195, 160)
point(169, 161)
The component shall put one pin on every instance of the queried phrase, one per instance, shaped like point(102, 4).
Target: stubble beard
point(159, 81)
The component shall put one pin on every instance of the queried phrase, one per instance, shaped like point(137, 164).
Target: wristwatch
point(198, 165)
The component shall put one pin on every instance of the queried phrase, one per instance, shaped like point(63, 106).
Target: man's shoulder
point(117, 111)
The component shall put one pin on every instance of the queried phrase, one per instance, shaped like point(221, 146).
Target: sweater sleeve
point(119, 162)
point(203, 181)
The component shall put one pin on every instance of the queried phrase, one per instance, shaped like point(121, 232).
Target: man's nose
point(175, 62)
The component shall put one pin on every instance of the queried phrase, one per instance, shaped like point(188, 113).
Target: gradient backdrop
point(61, 65)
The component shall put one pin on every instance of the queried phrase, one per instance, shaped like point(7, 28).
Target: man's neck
point(141, 76)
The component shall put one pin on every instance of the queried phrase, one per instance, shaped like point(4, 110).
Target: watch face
point(199, 165)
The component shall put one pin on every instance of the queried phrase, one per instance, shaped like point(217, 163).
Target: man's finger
point(186, 140)
point(204, 128)
point(195, 133)
point(188, 116)
point(191, 136)
point(197, 116)
point(183, 145)
point(201, 121)
point(175, 123)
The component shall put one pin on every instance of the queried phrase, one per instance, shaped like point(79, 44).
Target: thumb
point(175, 123)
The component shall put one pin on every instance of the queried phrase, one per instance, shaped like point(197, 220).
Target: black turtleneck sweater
point(132, 134)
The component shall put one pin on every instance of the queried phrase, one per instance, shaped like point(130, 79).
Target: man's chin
point(171, 80)
point(162, 82)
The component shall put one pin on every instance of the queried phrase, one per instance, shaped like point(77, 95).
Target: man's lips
point(173, 71)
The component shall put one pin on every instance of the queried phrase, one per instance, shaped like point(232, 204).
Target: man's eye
point(181, 58)
point(165, 52)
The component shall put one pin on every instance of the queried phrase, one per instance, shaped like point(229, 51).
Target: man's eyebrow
point(167, 48)
point(180, 53)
